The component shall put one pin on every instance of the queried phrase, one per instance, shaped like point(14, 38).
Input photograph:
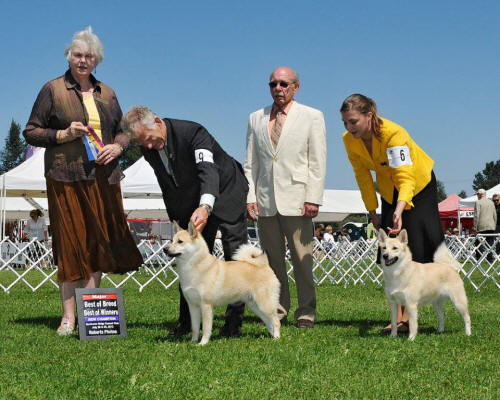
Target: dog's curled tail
point(251, 254)
point(443, 256)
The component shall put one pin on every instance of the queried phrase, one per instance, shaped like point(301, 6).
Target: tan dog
point(411, 283)
point(208, 282)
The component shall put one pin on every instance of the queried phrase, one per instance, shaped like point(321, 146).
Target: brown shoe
point(304, 323)
point(403, 327)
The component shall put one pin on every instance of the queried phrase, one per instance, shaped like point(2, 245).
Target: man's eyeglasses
point(283, 84)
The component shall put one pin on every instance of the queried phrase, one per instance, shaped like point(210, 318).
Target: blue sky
point(431, 66)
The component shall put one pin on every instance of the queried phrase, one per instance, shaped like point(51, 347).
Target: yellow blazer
point(397, 161)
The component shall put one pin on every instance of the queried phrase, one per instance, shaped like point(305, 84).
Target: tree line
point(14, 153)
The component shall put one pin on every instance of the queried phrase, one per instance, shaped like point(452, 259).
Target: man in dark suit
point(200, 182)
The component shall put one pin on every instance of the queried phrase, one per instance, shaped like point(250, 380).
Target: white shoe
point(65, 329)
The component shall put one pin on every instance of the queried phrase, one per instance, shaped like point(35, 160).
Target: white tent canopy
point(140, 181)
point(27, 179)
point(20, 207)
point(338, 204)
point(142, 193)
point(470, 201)
point(144, 208)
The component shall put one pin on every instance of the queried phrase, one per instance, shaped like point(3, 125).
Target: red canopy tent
point(448, 212)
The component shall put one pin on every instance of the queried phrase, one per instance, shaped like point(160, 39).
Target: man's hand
point(253, 211)
point(310, 210)
point(108, 153)
point(199, 218)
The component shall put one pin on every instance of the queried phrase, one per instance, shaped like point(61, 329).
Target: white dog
point(208, 282)
point(410, 283)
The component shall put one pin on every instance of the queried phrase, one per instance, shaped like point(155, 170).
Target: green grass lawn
point(342, 357)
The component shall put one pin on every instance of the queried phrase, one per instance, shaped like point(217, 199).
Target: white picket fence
point(347, 263)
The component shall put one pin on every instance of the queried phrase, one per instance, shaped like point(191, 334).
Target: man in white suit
point(285, 167)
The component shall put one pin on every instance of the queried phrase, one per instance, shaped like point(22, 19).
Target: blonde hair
point(363, 105)
point(90, 42)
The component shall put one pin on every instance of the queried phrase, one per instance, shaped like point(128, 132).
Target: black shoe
point(180, 330)
point(230, 331)
point(303, 323)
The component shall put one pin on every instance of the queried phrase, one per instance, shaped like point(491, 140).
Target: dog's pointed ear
point(177, 228)
point(381, 236)
point(192, 230)
point(403, 236)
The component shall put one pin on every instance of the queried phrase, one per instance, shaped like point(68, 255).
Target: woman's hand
point(74, 131)
point(375, 220)
point(397, 219)
point(109, 153)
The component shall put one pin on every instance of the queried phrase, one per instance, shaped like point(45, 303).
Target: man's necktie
point(278, 126)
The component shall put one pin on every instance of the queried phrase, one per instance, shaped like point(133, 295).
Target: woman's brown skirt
point(89, 229)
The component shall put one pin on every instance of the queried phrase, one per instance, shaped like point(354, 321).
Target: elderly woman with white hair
point(77, 119)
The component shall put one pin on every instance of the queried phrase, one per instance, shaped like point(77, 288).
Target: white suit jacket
point(282, 180)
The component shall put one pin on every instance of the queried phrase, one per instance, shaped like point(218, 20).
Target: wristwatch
point(207, 207)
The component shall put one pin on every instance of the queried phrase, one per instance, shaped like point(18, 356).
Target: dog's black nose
point(386, 256)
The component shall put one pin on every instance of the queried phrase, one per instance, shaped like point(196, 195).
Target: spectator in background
point(485, 221)
point(319, 230)
point(496, 201)
point(344, 234)
point(36, 228)
point(328, 239)
point(371, 232)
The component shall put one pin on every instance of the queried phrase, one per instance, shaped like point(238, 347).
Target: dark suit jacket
point(190, 178)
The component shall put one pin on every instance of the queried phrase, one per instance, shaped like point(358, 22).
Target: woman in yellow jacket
point(404, 177)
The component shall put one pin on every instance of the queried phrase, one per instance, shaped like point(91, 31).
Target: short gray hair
point(137, 115)
point(90, 41)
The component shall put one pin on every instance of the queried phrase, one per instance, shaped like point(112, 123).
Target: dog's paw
point(412, 337)
point(203, 342)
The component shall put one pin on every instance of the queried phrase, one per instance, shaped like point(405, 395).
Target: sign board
point(466, 214)
point(13, 252)
point(101, 314)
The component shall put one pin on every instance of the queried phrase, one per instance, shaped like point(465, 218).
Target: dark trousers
point(483, 249)
point(233, 236)
point(425, 232)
